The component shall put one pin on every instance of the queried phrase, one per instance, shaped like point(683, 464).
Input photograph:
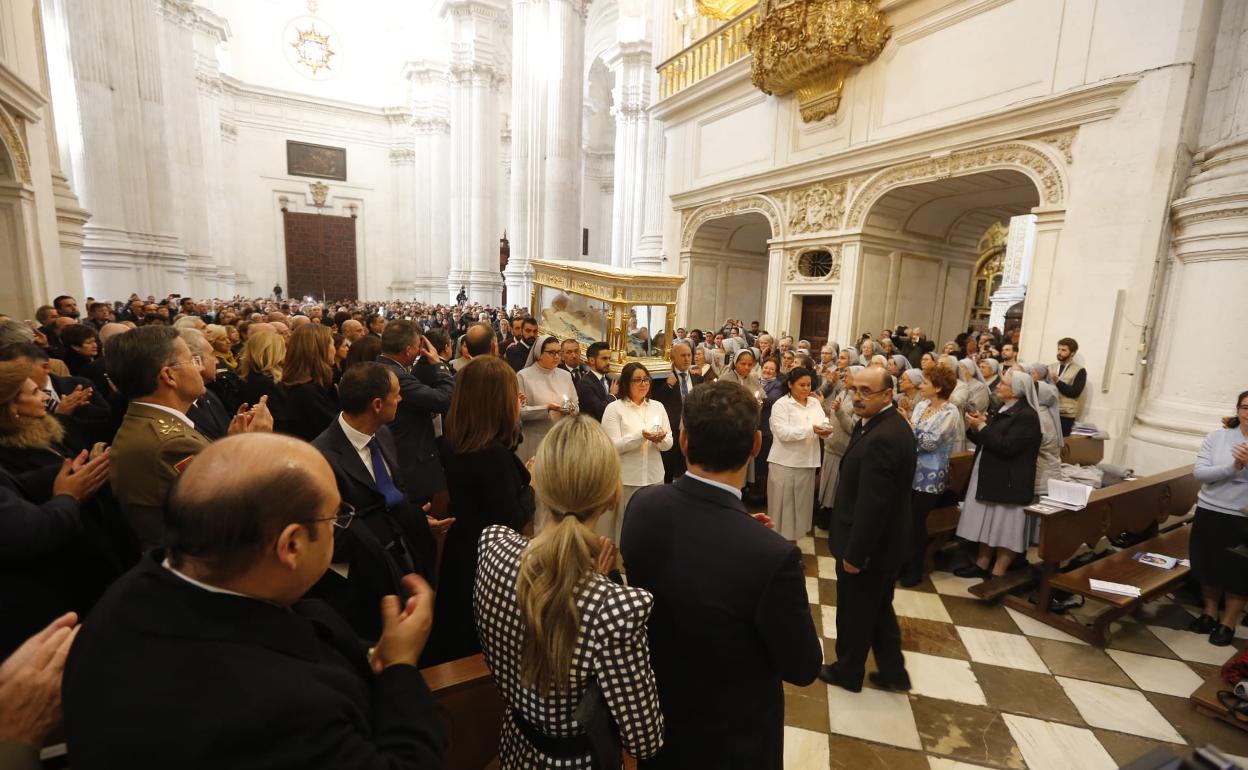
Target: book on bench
point(1067, 494)
point(1155, 559)
point(1108, 587)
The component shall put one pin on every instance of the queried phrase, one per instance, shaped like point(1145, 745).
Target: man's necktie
point(606, 387)
point(385, 484)
point(684, 385)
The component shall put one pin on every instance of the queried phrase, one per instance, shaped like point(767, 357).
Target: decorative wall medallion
point(819, 264)
point(1063, 142)
point(320, 192)
point(312, 48)
point(810, 46)
point(818, 208)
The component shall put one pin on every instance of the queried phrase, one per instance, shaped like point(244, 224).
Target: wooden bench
point(1131, 506)
point(942, 521)
point(1205, 699)
point(471, 711)
point(1082, 450)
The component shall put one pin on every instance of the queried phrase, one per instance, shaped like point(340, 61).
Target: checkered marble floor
point(995, 689)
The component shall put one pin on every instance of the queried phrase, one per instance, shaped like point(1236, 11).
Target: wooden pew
point(1131, 506)
point(471, 710)
point(942, 521)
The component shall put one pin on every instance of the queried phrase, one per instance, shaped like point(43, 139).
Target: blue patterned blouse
point(936, 433)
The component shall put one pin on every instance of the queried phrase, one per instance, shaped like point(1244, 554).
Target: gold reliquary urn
point(810, 46)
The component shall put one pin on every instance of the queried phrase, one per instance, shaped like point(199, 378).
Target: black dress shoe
point(833, 675)
point(909, 581)
point(972, 570)
point(1221, 636)
point(899, 683)
point(1202, 625)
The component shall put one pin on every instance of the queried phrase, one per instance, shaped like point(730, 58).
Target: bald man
point(155, 680)
point(353, 330)
point(870, 531)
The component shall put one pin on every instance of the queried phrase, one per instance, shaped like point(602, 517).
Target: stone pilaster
point(630, 63)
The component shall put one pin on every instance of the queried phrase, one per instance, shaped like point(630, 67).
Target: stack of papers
point(1105, 586)
point(1067, 494)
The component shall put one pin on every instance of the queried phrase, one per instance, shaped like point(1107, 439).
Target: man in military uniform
point(154, 369)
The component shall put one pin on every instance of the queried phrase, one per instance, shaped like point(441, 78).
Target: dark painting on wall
point(316, 160)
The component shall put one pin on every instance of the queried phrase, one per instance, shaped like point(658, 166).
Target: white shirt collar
point(358, 440)
point(736, 492)
point(204, 586)
point(180, 415)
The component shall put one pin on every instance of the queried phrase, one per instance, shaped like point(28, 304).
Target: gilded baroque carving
point(761, 204)
point(11, 136)
point(817, 208)
point(810, 46)
point(793, 260)
point(1011, 155)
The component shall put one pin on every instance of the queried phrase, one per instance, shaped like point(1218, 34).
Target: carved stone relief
point(818, 208)
point(761, 204)
point(793, 264)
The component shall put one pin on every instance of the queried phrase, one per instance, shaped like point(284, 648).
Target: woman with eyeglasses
point(549, 395)
point(1222, 523)
point(640, 430)
point(937, 427)
point(798, 425)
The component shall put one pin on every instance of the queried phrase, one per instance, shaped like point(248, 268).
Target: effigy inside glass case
point(633, 311)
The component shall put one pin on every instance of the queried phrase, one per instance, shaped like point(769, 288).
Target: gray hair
point(197, 341)
point(12, 332)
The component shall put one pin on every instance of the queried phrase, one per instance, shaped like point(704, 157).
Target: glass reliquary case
point(633, 311)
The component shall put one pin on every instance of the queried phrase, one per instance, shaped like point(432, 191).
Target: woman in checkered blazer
point(551, 621)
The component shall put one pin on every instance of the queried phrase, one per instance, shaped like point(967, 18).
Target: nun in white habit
point(549, 395)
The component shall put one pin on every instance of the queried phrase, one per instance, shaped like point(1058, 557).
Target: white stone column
point(630, 64)
point(430, 209)
point(1020, 249)
point(1189, 387)
point(474, 120)
point(546, 90)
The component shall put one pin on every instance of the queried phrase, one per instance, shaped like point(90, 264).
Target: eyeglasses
point(343, 518)
point(1242, 408)
point(866, 393)
point(640, 380)
point(194, 361)
point(549, 353)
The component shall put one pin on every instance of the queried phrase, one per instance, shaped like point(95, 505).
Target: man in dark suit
point(179, 637)
point(594, 391)
point(420, 464)
point(870, 530)
point(731, 619)
point(570, 359)
point(671, 393)
point(518, 351)
point(393, 535)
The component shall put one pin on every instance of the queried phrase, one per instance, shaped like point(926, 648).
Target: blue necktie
point(684, 385)
point(385, 485)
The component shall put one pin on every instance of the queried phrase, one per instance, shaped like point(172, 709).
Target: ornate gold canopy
point(810, 46)
point(723, 9)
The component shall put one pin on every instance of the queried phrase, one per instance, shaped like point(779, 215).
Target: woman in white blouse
point(798, 424)
point(640, 430)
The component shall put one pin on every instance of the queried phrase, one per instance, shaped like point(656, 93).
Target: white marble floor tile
point(1033, 627)
point(1000, 649)
point(944, 763)
point(949, 584)
point(804, 749)
point(944, 678)
point(827, 566)
point(1117, 708)
point(812, 590)
point(1051, 746)
point(806, 545)
point(1171, 677)
point(1193, 647)
point(920, 604)
point(829, 622)
point(873, 715)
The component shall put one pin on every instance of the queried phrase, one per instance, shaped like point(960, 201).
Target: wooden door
point(816, 317)
point(320, 256)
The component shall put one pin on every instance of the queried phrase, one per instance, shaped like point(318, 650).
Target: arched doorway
point(989, 273)
point(726, 268)
point(920, 250)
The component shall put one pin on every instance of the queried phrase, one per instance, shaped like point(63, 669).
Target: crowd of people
point(264, 515)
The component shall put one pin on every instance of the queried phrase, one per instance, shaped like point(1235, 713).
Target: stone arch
point(1029, 159)
point(762, 204)
point(17, 162)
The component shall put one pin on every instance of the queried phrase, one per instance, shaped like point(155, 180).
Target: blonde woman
point(219, 337)
point(551, 623)
point(260, 369)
